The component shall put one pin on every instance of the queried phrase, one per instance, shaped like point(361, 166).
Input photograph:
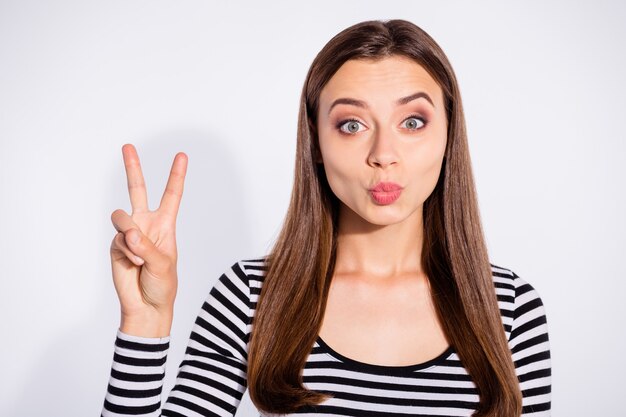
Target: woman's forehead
point(390, 78)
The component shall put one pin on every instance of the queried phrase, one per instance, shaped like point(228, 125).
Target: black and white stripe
point(212, 376)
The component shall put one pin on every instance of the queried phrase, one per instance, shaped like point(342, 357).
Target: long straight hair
point(454, 256)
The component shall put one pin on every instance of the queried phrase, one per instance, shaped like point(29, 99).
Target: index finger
point(170, 202)
point(134, 176)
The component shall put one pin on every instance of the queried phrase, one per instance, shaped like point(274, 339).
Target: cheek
point(430, 166)
point(341, 171)
point(337, 174)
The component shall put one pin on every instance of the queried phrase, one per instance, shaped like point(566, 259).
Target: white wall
point(543, 89)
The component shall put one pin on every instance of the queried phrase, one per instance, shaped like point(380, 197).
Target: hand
point(143, 253)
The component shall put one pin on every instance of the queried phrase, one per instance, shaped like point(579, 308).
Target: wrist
point(147, 323)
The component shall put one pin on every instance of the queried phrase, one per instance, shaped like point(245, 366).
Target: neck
point(379, 251)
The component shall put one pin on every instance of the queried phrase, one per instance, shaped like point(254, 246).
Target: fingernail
point(138, 260)
point(134, 239)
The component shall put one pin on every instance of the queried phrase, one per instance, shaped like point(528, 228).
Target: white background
point(543, 88)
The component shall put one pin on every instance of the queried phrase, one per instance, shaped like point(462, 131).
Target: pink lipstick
point(385, 193)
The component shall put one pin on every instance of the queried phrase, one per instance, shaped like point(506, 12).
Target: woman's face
point(382, 134)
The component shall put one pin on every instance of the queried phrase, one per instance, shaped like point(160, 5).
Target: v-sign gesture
point(143, 252)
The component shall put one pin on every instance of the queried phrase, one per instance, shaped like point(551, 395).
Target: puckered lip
point(386, 186)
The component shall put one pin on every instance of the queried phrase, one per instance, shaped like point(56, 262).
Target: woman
point(378, 297)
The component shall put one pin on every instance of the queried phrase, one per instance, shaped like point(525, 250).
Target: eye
point(414, 122)
point(349, 126)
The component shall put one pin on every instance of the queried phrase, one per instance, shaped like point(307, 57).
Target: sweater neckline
point(386, 369)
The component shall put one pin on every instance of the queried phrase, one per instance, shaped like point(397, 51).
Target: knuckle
point(136, 183)
point(133, 236)
point(173, 191)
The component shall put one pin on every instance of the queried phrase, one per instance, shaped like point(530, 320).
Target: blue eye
point(415, 122)
point(352, 126)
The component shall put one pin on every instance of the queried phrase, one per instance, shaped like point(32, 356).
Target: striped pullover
point(212, 376)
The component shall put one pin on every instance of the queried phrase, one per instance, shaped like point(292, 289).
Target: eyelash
point(413, 116)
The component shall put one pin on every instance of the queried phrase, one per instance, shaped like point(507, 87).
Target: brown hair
point(454, 256)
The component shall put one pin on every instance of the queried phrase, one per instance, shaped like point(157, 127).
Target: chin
point(376, 215)
point(385, 217)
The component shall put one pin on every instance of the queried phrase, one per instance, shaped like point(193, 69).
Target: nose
point(383, 152)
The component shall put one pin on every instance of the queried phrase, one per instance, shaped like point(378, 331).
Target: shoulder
point(514, 289)
point(246, 272)
point(242, 281)
point(254, 271)
point(231, 302)
point(520, 303)
point(253, 268)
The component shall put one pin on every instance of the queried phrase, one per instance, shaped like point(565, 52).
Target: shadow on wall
point(70, 377)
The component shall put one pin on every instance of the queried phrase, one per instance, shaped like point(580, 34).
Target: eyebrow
point(399, 102)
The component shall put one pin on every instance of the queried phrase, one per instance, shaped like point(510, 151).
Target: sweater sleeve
point(530, 348)
point(211, 378)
